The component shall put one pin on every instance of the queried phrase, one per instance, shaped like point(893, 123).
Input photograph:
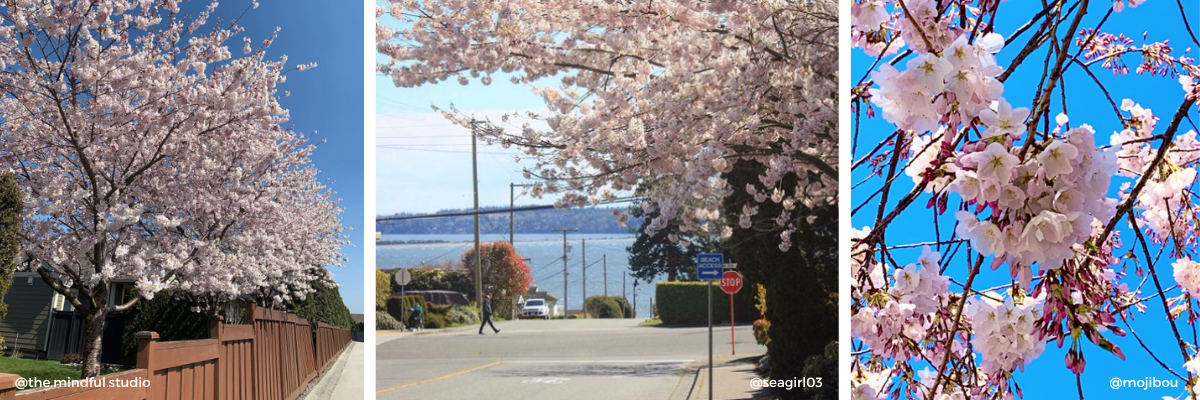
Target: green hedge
point(10, 222)
point(168, 315)
point(383, 288)
point(626, 307)
point(686, 303)
point(603, 307)
point(398, 306)
point(324, 305)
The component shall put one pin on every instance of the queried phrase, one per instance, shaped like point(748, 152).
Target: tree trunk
point(93, 323)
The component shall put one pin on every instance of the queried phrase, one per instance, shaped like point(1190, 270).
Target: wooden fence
point(330, 341)
point(273, 357)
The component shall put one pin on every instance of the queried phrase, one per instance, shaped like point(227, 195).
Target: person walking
point(487, 315)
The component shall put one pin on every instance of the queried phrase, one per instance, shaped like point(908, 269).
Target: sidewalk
point(343, 379)
point(384, 336)
point(731, 380)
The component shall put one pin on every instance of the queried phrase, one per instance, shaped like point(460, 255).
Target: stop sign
point(731, 282)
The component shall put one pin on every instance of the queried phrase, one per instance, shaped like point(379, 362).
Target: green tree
point(383, 288)
point(441, 278)
point(324, 305)
point(800, 283)
point(505, 275)
point(10, 222)
point(170, 314)
point(653, 255)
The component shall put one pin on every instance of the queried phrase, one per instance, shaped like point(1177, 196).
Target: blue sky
point(423, 162)
point(1047, 377)
point(326, 99)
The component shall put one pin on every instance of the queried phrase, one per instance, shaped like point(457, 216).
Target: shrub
point(626, 307)
point(434, 321)
point(603, 307)
point(428, 278)
point(383, 288)
point(825, 366)
point(442, 309)
point(687, 303)
point(462, 315)
point(761, 326)
point(169, 314)
point(398, 306)
point(10, 221)
point(383, 321)
point(71, 358)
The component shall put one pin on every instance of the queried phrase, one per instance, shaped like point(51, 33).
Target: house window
point(123, 293)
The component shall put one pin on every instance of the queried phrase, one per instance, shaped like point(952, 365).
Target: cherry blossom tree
point(673, 92)
point(1013, 184)
point(148, 151)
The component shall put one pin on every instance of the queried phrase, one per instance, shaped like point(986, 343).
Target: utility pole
point(478, 257)
point(604, 264)
point(634, 296)
point(623, 286)
point(584, 263)
point(512, 227)
point(566, 304)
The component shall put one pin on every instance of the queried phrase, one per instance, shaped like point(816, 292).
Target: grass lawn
point(41, 369)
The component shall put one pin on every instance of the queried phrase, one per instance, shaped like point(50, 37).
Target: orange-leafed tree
point(505, 274)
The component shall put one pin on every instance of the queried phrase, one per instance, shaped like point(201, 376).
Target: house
point(34, 309)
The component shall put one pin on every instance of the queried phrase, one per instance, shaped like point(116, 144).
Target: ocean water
point(545, 252)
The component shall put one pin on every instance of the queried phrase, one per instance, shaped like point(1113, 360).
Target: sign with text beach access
point(710, 266)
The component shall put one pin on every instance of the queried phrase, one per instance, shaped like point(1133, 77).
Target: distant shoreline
point(519, 239)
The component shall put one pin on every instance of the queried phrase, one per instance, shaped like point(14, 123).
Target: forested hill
point(586, 220)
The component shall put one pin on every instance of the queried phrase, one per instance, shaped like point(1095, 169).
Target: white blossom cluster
point(1005, 334)
point(916, 292)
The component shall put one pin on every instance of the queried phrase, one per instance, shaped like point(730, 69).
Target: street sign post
point(709, 267)
point(731, 283)
point(400, 278)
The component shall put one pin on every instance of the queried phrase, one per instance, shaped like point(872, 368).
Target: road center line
point(436, 378)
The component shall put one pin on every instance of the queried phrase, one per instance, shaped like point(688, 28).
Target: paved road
point(562, 359)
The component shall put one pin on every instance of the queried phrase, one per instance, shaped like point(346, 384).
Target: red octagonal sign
point(731, 282)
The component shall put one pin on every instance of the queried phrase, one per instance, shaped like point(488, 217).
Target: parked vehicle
point(535, 308)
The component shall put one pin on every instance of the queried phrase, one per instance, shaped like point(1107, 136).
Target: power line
point(393, 147)
point(490, 211)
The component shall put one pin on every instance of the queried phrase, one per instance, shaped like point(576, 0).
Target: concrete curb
point(323, 385)
point(701, 374)
point(435, 331)
point(695, 382)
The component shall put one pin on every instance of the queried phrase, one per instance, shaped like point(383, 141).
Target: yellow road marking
point(436, 378)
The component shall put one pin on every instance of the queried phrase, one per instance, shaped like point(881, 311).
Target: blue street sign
point(710, 266)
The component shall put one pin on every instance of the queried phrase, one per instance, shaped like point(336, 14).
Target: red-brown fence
point(330, 341)
point(273, 357)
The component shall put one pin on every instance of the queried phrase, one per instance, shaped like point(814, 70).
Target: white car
point(535, 308)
